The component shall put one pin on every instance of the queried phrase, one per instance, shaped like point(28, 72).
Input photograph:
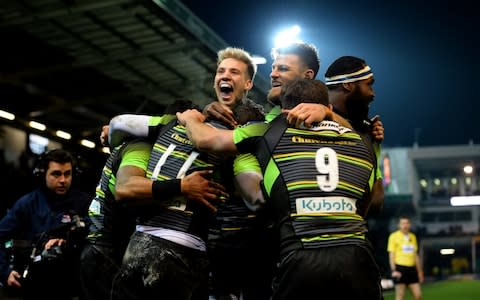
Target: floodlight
point(287, 36)
point(87, 143)
point(259, 60)
point(465, 200)
point(447, 251)
point(37, 125)
point(63, 134)
point(468, 169)
point(7, 115)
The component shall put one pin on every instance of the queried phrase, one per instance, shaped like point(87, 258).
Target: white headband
point(362, 74)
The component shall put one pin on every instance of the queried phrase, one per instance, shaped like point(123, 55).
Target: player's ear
point(248, 85)
point(309, 74)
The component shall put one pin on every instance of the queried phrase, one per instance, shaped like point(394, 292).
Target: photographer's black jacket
point(35, 213)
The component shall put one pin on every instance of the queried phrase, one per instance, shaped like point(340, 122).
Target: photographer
point(47, 217)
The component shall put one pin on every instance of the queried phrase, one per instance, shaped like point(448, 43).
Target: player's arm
point(137, 190)
point(129, 126)
point(134, 188)
point(377, 195)
point(205, 137)
point(131, 185)
point(377, 192)
point(248, 178)
point(309, 113)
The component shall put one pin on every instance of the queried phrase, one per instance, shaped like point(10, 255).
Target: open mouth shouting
point(226, 91)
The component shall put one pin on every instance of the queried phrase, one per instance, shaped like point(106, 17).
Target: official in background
point(40, 233)
point(405, 261)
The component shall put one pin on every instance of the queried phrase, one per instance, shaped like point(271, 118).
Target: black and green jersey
point(174, 156)
point(316, 181)
point(273, 113)
point(233, 216)
point(111, 222)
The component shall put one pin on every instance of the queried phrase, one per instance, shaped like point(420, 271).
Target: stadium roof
point(72, 65)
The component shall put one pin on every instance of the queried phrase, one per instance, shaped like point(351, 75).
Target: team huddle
point(230, 202)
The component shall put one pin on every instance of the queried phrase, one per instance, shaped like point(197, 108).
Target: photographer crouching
point(41, 234)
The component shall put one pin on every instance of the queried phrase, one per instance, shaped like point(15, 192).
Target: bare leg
point(400, 291)
point(416, 291)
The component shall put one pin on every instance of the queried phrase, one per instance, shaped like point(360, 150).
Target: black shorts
point(337, 272)
point(409, 275)
point(242, 263)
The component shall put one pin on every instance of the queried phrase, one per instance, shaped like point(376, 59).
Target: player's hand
point(190, 114)
point(378, 131)
point(197, 187)
point(307, 113)
point(104, 135)
point(221, 113)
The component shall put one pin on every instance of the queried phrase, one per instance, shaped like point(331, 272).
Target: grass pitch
point(445, 290)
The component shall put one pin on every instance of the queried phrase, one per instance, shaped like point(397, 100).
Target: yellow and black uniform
point(405, 248)
point(317, 183)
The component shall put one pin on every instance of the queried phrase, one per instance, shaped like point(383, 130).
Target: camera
point(28, 255)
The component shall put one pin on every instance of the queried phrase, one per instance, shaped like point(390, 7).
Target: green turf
point(445, 290)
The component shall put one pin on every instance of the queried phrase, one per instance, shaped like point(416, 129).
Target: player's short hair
point(301, 90)
point(238, 54)
point(307, 53)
